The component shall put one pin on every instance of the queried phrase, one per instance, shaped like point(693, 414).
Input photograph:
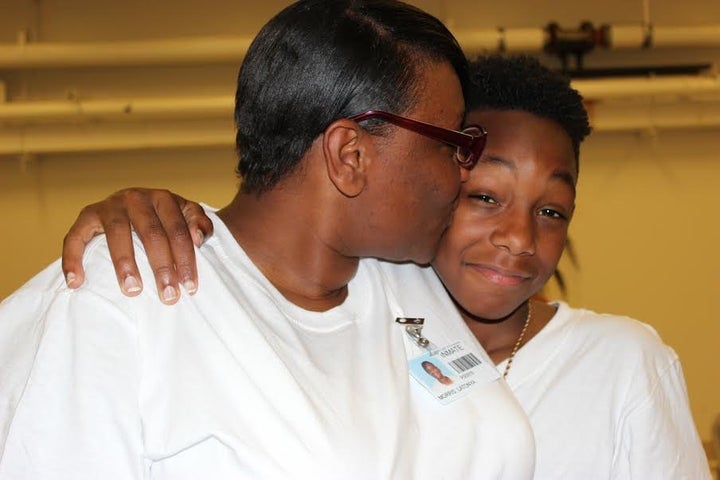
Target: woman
point(606, 398)
point(435, 372)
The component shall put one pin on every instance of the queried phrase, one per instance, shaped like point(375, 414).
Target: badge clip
point(413, 327)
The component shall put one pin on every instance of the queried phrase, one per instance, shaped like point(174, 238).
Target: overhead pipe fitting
point(575, 43)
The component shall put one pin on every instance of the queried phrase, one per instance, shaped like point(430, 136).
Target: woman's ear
point(345, 147)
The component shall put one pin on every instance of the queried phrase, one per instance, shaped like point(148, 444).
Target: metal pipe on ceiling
point(680, 86)
point(613, 117)
point(173, 51)
point(116, 109)
point(607, 36)
point(31, 139)
point(647, 87)
point(98, 137)
point(193, 50)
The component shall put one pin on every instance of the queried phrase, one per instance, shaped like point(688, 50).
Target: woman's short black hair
point(521, 82)
point(321, 60)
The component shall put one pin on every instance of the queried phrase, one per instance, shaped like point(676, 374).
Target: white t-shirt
point(237, 382)
point(607, 400)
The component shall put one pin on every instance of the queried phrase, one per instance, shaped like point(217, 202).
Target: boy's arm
point(168, 226)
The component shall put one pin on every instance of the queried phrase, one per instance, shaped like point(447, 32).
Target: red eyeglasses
point(469, 143)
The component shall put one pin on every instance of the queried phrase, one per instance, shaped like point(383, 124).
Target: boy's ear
point(346, 156)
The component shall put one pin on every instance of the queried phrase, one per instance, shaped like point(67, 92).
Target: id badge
point(449, 372)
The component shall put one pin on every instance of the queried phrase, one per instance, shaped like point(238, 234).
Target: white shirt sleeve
point(658, 438)
point(68, 385)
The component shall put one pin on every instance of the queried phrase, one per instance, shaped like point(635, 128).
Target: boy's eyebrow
point(495, 160)
point(566, 177)
point(562, 175)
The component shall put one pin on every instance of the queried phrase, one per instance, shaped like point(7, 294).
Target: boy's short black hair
point(521, 82)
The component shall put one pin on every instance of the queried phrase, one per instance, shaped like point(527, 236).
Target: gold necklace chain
point(519, 340)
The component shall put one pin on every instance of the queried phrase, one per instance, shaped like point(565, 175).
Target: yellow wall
point(42, 198)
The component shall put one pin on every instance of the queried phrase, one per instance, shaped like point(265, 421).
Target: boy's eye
point(549, 212)
point(483, 198)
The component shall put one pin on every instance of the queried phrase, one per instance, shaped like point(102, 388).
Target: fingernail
point(70, 280)
point(200, 237)
point(131, 284)
point(169, 294)
point(190, 286)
